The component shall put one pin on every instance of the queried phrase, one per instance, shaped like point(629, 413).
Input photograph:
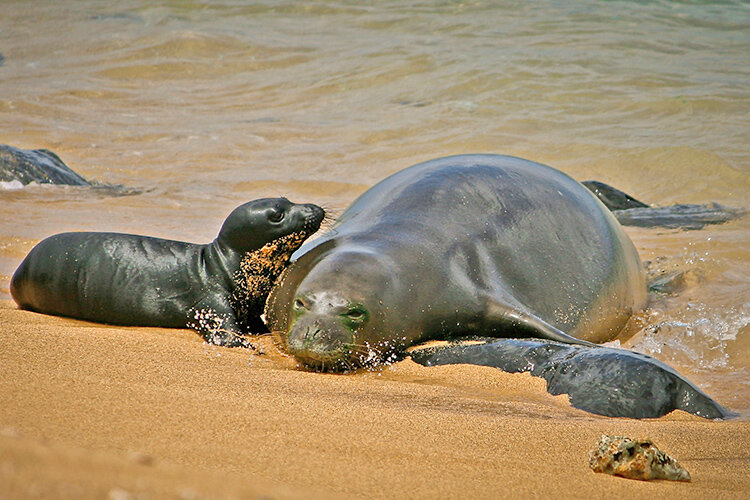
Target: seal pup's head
point(336, 315)
point(255, 223)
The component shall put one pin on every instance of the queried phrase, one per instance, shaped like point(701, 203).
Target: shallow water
point(204, 105)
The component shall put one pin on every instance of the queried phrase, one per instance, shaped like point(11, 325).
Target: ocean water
point(202, 105)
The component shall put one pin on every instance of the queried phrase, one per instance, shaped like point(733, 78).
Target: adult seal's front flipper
point(503, 320)
point(632, 212)
point(605, 381)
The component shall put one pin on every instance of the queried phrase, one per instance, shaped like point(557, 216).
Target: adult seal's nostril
point(219, 288)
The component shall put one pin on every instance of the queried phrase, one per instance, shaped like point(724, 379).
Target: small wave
point(95, 189)
point(702, 337)
point(11, 185)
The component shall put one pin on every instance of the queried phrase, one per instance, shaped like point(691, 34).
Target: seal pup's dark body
point(136, 280)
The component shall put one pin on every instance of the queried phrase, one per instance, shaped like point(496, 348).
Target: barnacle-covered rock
point(622, 456)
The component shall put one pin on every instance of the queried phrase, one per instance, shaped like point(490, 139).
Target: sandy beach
point(91, 411)
point(178, 112)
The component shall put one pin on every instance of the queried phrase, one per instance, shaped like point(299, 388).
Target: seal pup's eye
point(300, 303)
point(276, 215)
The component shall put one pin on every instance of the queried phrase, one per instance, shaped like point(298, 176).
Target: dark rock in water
point(613, 199)
point(622, 456)
point(2, 59)
point(602, 380)
point(42, 166)
point(683, 216)
point(38, 165)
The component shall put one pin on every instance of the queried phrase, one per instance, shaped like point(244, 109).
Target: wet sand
point(92, 411)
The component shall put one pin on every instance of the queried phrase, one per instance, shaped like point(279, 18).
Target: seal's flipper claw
point(217, 328)
point(503, 320)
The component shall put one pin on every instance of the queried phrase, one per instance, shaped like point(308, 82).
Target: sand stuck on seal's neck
point(258, 273)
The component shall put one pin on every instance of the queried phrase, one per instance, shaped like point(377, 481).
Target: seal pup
point(217, 288)
point(484, 245)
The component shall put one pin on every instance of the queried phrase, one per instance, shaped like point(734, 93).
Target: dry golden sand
point(90, 411)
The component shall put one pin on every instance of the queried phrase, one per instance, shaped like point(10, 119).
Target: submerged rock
point(622, 456)
point(36, 165)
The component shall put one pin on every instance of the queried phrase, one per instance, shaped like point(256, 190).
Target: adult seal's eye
point(356, 314)
point(276, 215)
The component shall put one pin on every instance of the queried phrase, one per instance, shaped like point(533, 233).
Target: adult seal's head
point(341, 309)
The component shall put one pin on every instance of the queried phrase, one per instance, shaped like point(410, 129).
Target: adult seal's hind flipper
point(632, 212)
point(613, 198)
point(681, 216)
point(606, 381)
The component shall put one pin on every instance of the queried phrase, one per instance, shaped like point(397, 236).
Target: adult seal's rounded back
point(466, 245)
point(219, 288)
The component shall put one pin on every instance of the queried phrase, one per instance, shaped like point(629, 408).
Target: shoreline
point(91, 409)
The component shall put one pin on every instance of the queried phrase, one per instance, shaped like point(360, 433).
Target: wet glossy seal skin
point(465, 245)
point(218, 288)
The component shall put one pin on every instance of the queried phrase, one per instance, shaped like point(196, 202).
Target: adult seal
point(218, 288)
point(484, 245)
